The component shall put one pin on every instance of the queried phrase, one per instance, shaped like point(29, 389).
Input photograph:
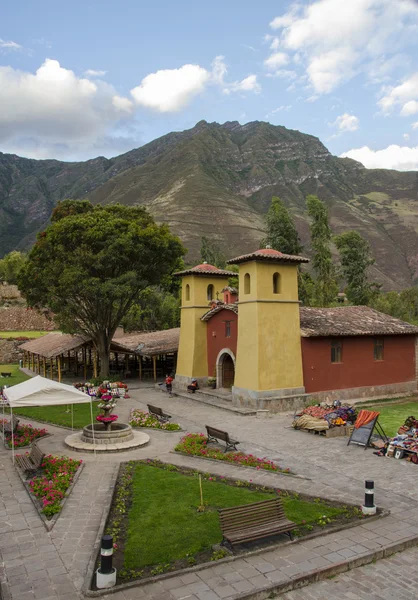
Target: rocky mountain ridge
point(218, 180)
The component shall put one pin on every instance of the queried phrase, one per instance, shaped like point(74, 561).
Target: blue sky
point(83, 79)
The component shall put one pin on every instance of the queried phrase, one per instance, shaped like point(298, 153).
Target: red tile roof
point(207, 316)
point(270, 255)
point(206, 269)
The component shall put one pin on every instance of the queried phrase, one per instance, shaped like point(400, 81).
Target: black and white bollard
point(106, 573)
point(369, 507)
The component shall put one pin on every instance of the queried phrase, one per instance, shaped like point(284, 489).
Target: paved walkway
point(37, 564)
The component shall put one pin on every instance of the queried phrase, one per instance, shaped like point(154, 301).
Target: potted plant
point(212, 382)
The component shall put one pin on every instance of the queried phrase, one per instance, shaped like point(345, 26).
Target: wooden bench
point(254, 521)
point(6, 374)
point(158, 412)
point(217, 434)
point(11, 426)
point(30, 463)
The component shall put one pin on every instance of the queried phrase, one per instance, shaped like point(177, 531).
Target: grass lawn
point(17, 376)
point(163, 522)
point(58, 415)
point(392, 416)
point(28, 334)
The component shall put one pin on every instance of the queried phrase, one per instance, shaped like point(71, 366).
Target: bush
point(138, 418)
point(196, 445)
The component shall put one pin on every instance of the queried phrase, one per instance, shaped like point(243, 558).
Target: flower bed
point(196, 444)
point(50, 488)
point(24, 435)
point(137, 418)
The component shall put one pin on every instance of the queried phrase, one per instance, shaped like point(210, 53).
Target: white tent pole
point(4, 402)
point(13, 438)
point(92, 424)
point(72, 417)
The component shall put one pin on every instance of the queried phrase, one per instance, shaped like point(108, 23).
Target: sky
point(94, 78)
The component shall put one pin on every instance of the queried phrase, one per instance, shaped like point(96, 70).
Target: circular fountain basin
point(120, 438)
point(120, 432)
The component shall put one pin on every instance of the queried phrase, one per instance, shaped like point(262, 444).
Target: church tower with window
point(201, 285)
point(269, 355)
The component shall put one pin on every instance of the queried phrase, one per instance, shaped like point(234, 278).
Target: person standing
point(169, 384)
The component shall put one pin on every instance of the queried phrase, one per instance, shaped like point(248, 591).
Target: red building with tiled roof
point(271, 352)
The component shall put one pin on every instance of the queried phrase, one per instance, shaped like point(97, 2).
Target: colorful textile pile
point(333, 416)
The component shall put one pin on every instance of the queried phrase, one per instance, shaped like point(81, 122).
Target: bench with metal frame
point(217, 434)
point(11, 426)
point(252, 522)
point(30, 463)
point(159, 413)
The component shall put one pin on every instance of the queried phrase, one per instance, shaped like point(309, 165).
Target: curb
point(320, 574)
point(88, 592)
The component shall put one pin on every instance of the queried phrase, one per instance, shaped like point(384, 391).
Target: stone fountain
point(106, 435)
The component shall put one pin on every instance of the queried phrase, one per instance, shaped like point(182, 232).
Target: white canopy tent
point(39, 391)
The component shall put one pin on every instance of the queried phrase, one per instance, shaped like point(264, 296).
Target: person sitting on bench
point(193, 386)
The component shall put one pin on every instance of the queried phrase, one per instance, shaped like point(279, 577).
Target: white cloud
point(122, 104)
point(403, 96)
point(8, 45)
point(415, 125)
point(249, 84)
point(402, 158)
point(219, 70)
point(170, 90)
point(346, 122)
point(335, 40)
point(406, 136)
point(93, 73)
point(53, 107)
point(276, 60)
point(282, 108)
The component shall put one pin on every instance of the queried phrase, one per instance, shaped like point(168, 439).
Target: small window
point(336, 352)
point(378, 348)
point(210, 292)
point(247, 283)
point(187, 292)
point(276, 283)
point(227, 328)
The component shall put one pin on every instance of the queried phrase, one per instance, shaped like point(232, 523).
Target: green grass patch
point(163, 523)
point(61, 415)
point(28, 334)
point(17, 375)
point(392, 416)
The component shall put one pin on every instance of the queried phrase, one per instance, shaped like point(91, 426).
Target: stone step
point(211, 400)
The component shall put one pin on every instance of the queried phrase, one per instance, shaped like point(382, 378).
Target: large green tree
point(211, 253)
point(325, 288)
point(355, 259)
point(11, 265)
point(90, 266)
point(280, 229)
point(154, 309)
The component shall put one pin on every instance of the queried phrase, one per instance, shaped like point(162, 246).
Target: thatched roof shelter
point(54, 344)
point(148, 344)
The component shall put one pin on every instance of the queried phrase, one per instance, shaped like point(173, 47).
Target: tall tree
point(326, 287)
point(355, 259)
point(11, 265)
point(90, 266)
point(281, 231)
point(211, 253)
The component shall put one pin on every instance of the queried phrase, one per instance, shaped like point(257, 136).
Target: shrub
point(138, 418)
point(196, 444)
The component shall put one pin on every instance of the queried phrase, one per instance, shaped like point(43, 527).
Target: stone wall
point(9, 292)
point(9, 351)
point(22, 318)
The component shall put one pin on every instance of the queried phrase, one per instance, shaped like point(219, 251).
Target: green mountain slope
point(217, 180)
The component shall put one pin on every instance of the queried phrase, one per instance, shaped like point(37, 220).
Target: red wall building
point(358, 366)
point(221, 333)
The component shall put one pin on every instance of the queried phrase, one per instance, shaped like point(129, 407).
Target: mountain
point(218, 180)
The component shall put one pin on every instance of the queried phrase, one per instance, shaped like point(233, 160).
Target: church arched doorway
point(225, 369)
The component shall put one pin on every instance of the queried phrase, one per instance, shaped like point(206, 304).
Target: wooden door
point(228, 372)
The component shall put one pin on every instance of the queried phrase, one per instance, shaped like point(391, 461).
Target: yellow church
point(259, 343)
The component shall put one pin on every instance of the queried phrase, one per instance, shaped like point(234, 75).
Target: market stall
point(329, 420)
point(405, 443)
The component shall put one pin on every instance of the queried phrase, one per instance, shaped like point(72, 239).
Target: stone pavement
point(37, 564)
